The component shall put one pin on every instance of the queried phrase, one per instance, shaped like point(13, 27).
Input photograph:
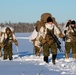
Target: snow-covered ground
point(26, 63)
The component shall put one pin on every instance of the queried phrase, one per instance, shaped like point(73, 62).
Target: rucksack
point(44, 17)
point(38, 26)
point(43, 20)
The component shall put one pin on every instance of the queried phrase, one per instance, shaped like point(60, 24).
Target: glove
point(64, 38)
point(16, 42)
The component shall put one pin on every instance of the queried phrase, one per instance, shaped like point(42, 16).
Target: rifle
point(6, 42)
point(55, 39)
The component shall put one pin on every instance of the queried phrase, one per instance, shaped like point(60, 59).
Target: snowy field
point(26, 63)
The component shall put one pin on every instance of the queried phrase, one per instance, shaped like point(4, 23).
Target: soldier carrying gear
point(65, 28)
point(50, 43)
point(37, 45)
point(70, 42)
point(7, 39)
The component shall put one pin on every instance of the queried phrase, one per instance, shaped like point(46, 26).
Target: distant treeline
point(23, 27)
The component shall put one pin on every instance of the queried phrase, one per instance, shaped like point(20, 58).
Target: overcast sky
point(31, 10)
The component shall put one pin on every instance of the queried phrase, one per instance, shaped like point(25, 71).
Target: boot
point(11, 58)
point(53, 58)
point(46, 59)
point(66, 55)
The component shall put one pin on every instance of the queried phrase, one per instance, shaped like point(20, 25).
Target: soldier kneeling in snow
point(7, 39)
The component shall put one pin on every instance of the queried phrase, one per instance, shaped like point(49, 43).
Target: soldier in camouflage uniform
point(7, 38)
point(35, 40)
point(70, 39)
point(50, 44)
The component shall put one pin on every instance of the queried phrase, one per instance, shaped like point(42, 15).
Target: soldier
point(37, 45)
point(70, 40)
point(7, 38)
point(50, 44)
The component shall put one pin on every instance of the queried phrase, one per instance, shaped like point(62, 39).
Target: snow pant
point(0, 52)
point(46, 50)
point(70, 46)
point(8, 52)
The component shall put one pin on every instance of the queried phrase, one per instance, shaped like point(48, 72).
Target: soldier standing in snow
point(49, 42)
point(70, 39)
point(7, 38)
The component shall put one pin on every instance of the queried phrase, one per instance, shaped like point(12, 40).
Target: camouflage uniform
point(37, 45)
point(7, 40)
point(70, 41)
point(50, 44)
point(47, 41)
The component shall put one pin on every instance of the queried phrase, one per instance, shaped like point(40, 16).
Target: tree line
point(23, 27)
